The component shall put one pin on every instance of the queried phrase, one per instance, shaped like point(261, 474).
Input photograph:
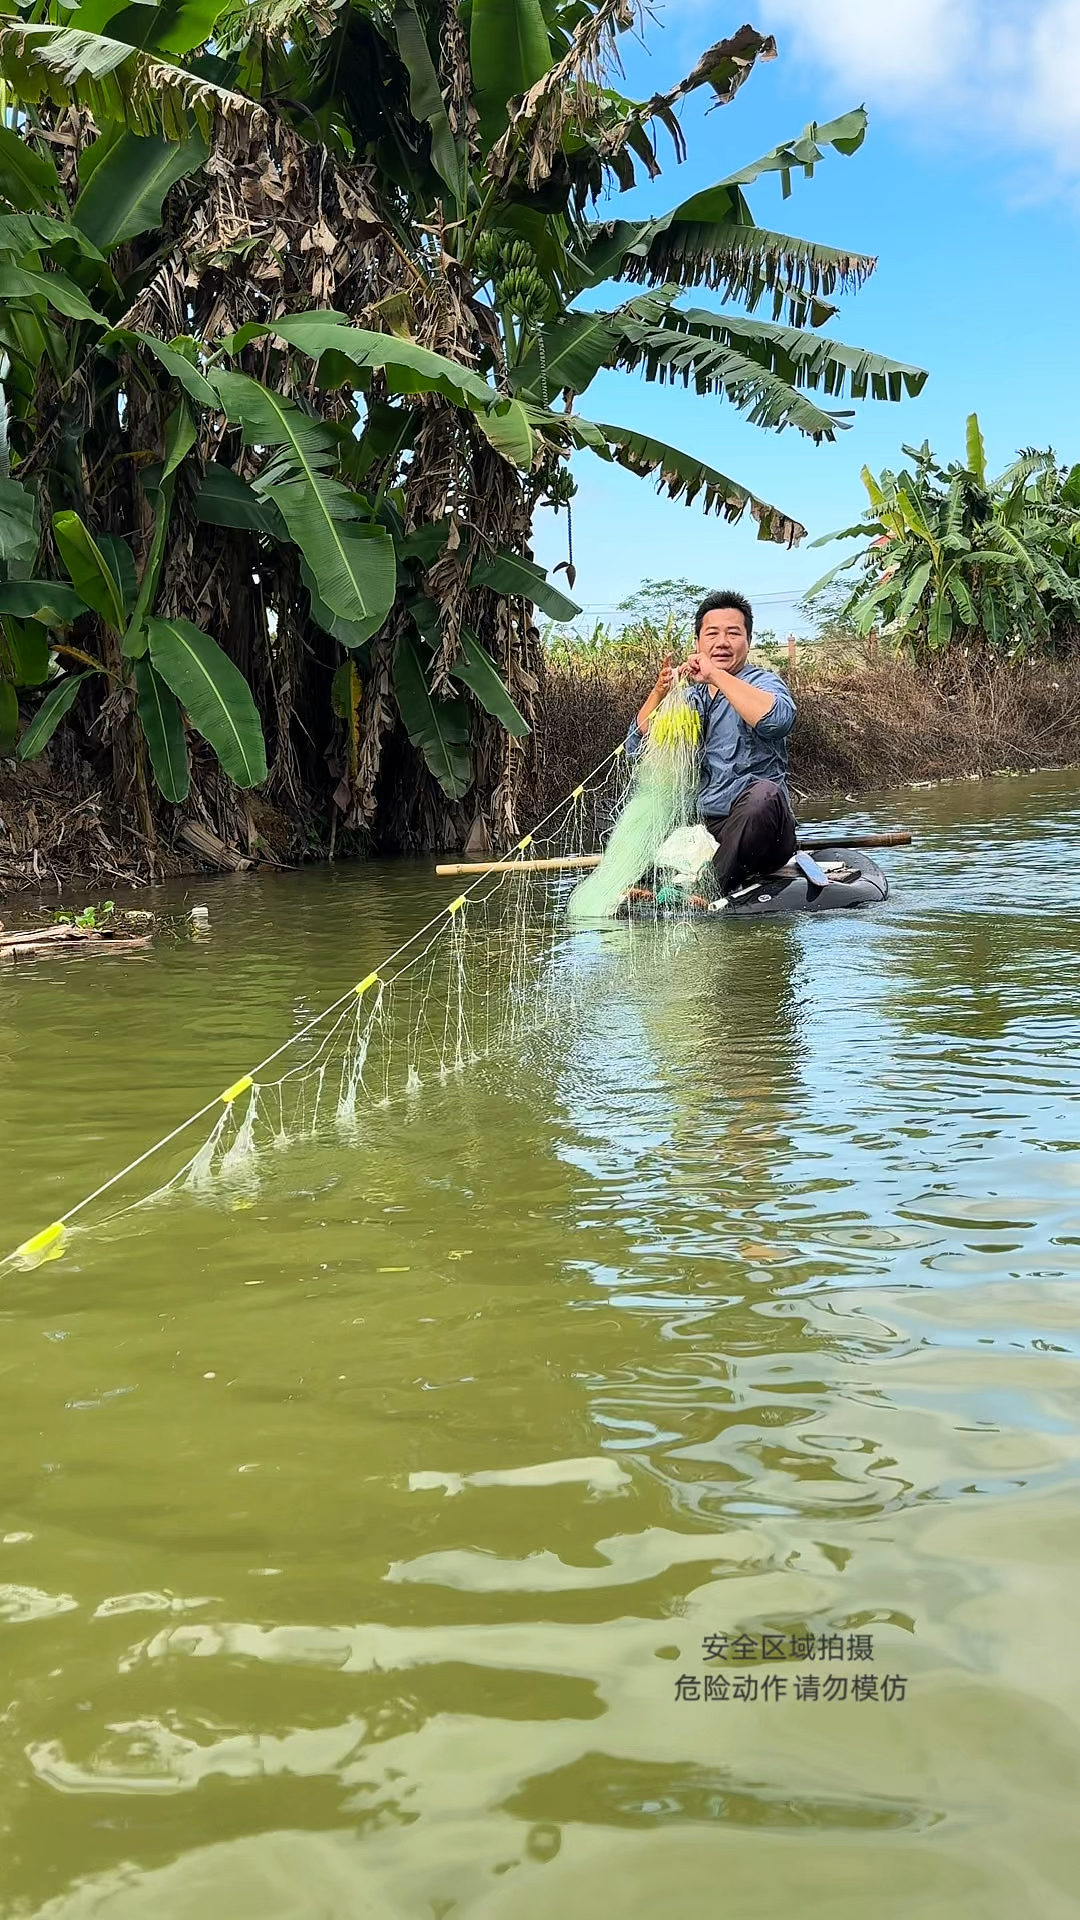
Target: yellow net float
point(46, 1245)
point(679, 726)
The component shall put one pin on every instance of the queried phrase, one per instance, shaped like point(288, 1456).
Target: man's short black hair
point(716, 603)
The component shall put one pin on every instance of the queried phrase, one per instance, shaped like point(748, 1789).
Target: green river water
point(357, 1542)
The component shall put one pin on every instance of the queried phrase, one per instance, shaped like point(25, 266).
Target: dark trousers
point(757, 836)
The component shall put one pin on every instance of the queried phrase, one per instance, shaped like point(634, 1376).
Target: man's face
point(722, 643)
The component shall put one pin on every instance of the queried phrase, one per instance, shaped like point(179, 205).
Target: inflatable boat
point(844, 877)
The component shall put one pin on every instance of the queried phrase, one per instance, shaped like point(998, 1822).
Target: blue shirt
point(733, 753)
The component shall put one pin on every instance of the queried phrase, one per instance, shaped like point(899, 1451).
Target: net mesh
point(505, 958)
point(497, 963)
point(662, 800)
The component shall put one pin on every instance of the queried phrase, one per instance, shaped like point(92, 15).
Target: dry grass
point(861, 726)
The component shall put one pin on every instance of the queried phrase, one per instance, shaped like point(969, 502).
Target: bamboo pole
point(521, 866)
point(569, 861)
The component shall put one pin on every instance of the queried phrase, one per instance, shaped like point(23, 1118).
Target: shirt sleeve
point(635, 740)
point(780, 719)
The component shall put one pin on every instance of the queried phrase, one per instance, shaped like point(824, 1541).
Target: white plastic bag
point(685, 853)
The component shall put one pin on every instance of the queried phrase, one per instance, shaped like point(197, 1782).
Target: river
point(641, 1477)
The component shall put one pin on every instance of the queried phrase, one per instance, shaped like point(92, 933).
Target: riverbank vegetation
point(866, 723)
point(292, 346)
point(954, 559)
point(945, 646)
point(872, 714)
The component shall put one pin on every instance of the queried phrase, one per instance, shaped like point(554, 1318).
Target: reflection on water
point(358, 1540)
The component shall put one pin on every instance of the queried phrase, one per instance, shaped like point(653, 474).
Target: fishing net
point(499, 961)
point(655, 826)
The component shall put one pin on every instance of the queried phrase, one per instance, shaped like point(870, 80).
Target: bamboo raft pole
point(572, 860)
point(522, 866)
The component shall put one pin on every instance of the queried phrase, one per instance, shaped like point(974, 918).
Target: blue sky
point(967, 189)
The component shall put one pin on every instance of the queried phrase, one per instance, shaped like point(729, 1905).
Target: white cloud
point(1052, 106)
point(904, 47)
point(1005, 71)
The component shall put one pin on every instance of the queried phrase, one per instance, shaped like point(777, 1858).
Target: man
point(746, 716)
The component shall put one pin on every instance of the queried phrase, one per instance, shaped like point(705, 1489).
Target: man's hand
point(665, 680)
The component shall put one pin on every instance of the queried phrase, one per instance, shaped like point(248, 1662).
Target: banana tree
point(952, 556)
point(353, 553)
point(352, 239)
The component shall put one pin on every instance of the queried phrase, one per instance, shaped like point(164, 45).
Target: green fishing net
point(662, 801)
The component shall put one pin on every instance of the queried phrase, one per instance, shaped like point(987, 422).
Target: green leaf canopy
point(169, 26)
point(477, 670)
point(24, 653)
point(125, 193)
point(117, 81)
point(950, 555)
point(510, 573)
point(175, 363)
point(49, 715)
point(18, 526)
point(163, 725)
point(712, 239)
point(408, 367)
point(426, 101)
point(682, 476)
point(51, 601)
point(90, 573)
point(225, 500)
point(28, 178)
point(762, 367)
point(215, 695)
point(509, 50)
point(352, 563)
point(55, 289)
point(439, 728)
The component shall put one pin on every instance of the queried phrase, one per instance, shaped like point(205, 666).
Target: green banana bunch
point(511, 267)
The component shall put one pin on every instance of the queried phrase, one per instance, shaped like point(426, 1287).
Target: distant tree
point(829, 613)
point(658, 601)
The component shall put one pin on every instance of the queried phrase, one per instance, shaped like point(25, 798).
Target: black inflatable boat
point(843, 877)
